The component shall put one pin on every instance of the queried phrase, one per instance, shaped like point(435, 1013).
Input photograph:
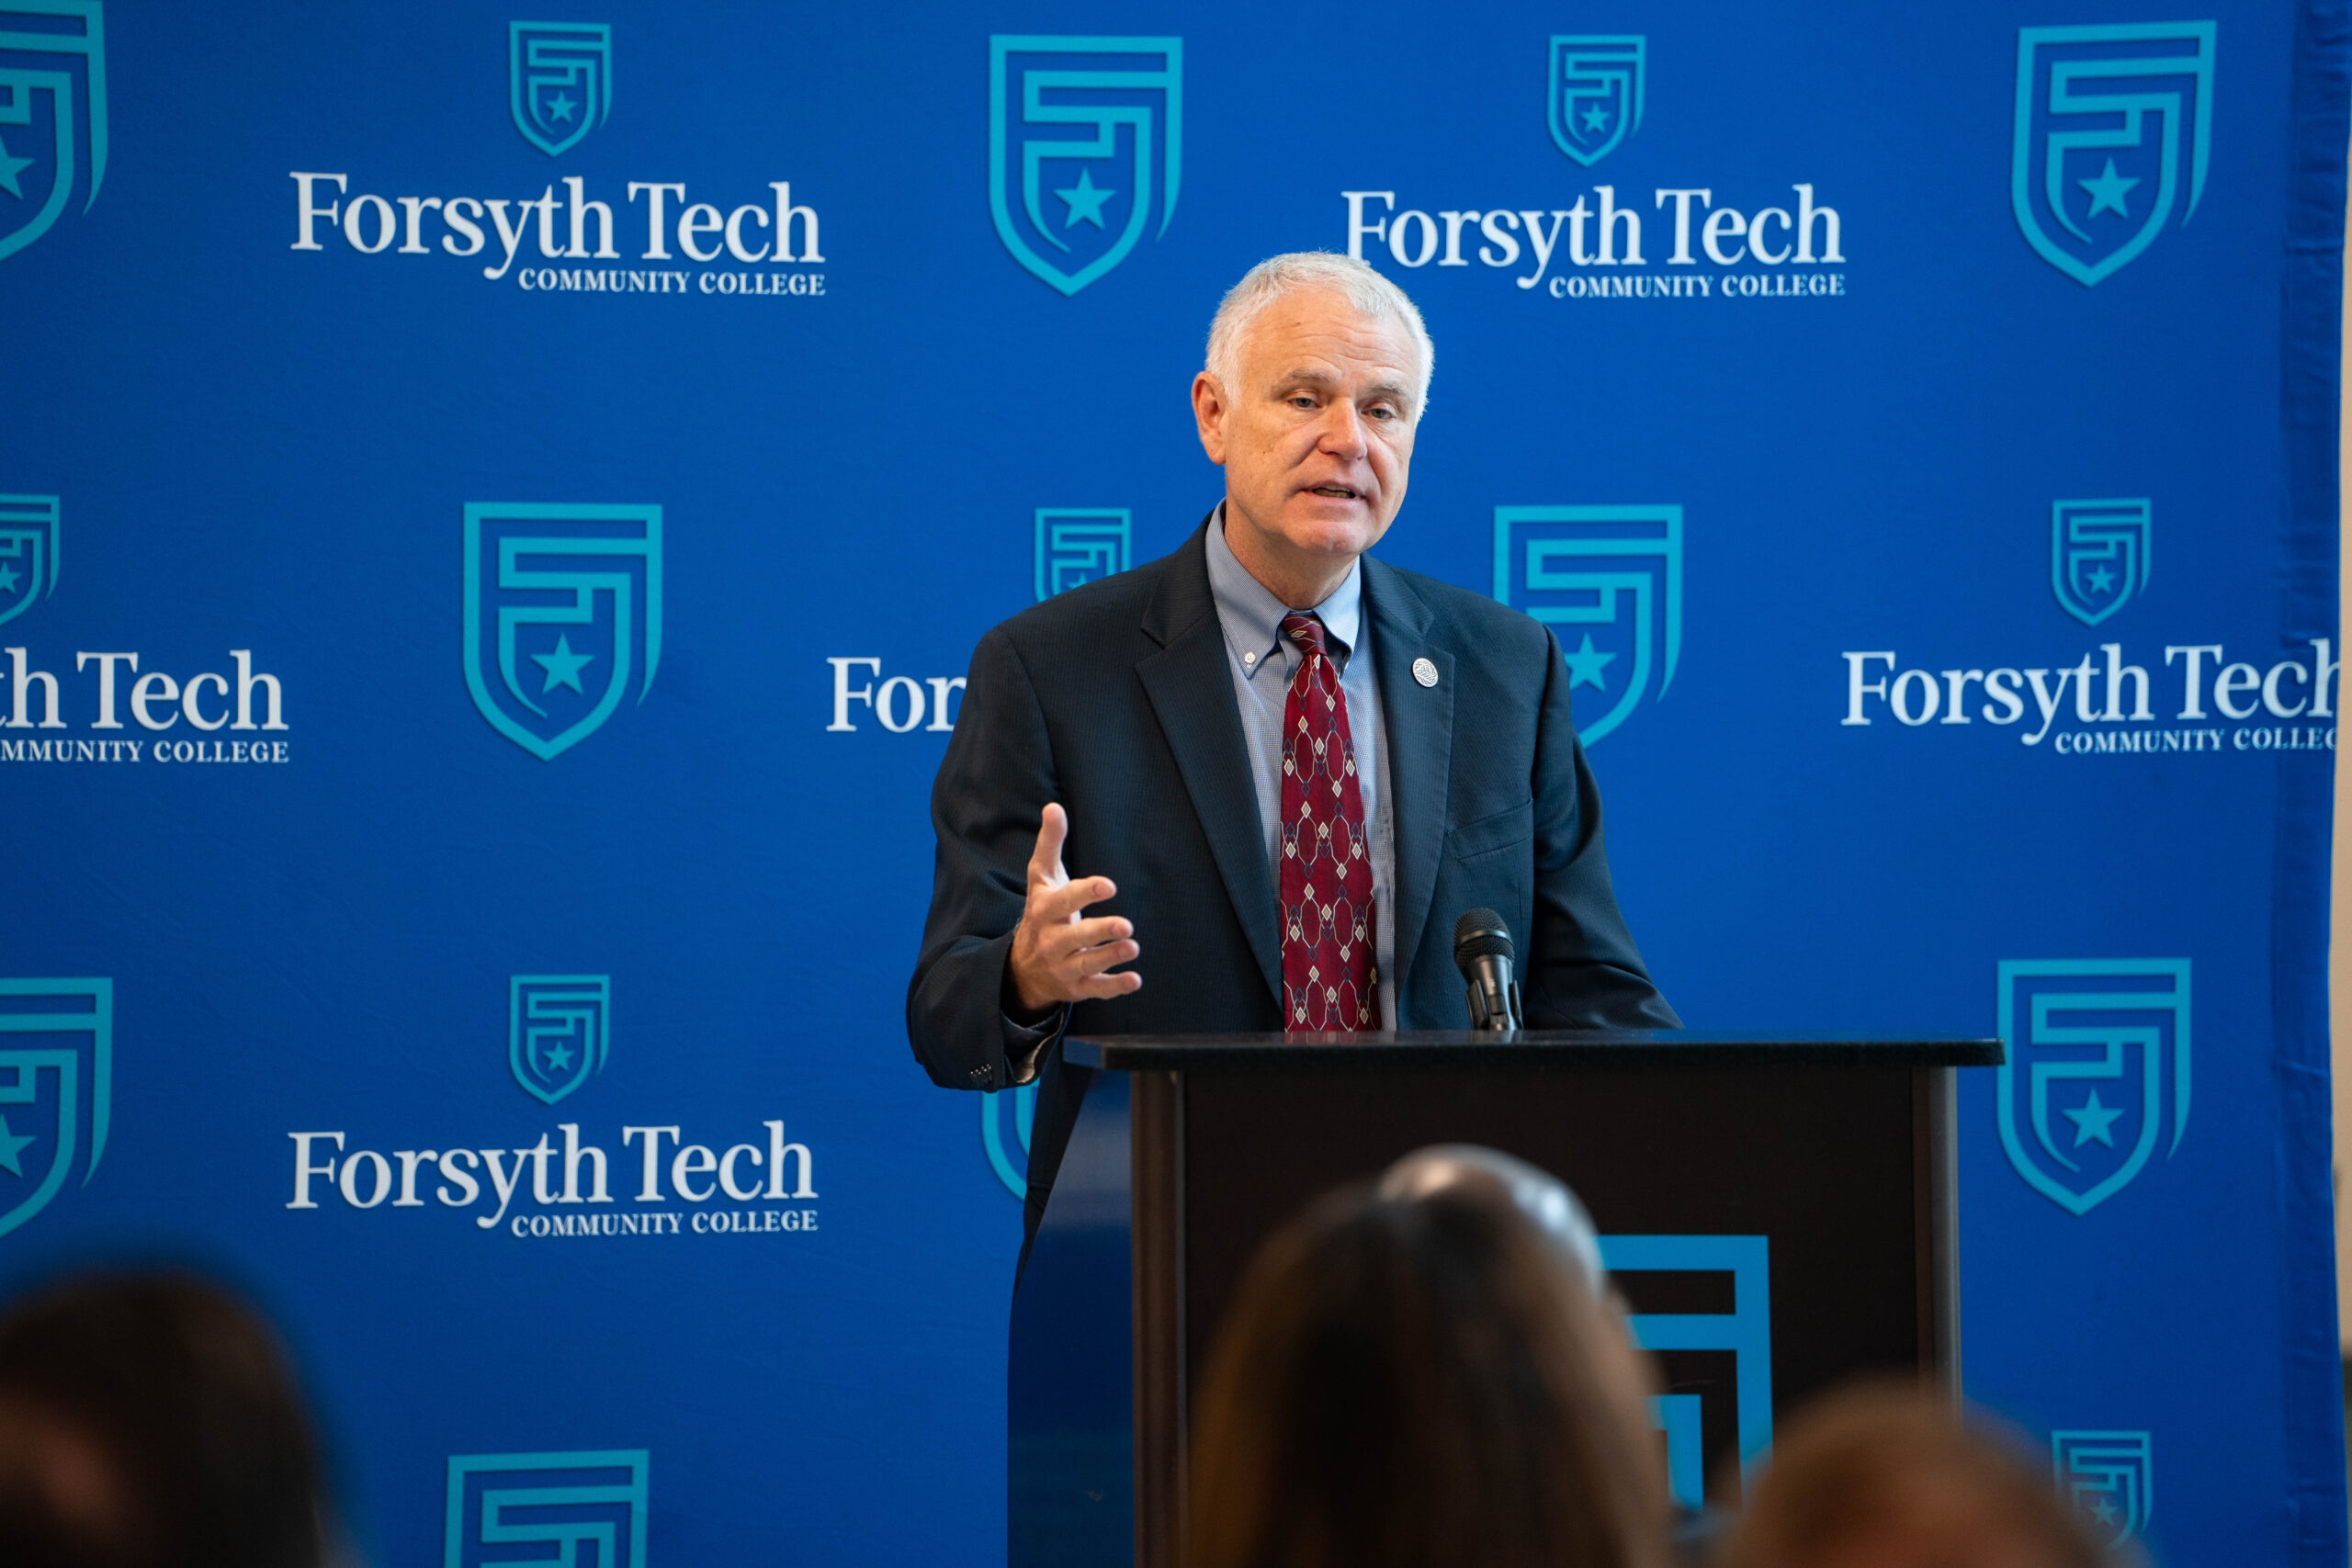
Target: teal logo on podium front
point(559, 1030)
point(1746, 1332)
point(562, 609)
point(1086, 140)
point(2112, 134)
point(1596, 94)
point(1608, 581)
point(2097, 1076)
point(29, 537)
point(53, 113)
point(1080, 543)
point(558, 81)
point(56, 1089)
point(584, 1508)
point(2108, 1477)
point(2099, 556)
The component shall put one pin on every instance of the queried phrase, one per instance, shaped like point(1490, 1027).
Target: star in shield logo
point(562, 602)
point(2107, 1477)
point(1596, 94)
point(1609, 580)
point(1085, 144)
point(56, 1088)
point(2113, 128)
point(2096, 1071)
point(558, 81)
point(53, 56)
point(2099, 555)
point(28, 552)
point(1006, 1117)
point(559, 1030)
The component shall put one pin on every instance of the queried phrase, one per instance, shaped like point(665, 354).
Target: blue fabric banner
point(495, 513)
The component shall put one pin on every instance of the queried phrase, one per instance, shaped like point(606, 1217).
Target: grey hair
point(1357, 282)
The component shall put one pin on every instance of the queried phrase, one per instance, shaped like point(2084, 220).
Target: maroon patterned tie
point(1328, 981)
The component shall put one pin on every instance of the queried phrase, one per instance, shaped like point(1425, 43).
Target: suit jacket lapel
point(1191, 690)
point(1420, 725)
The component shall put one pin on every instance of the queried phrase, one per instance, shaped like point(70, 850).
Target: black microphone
point(1482, 951)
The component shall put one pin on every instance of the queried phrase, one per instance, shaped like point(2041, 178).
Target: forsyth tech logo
point(2107, 1476)
point(28, 552)
point(1079, 543)
point(2113, 127)
point(2099, 555)
point(561, 605)
point(41, 43)
point(1070, 209)
point(1613, 572)
point(1746, 1331)
point(559, 1030)
point(1075, 545)
point(56, 1088)
point(558, 81)
point(2119, 1025)
point(1595, 97)
point(594, 1497)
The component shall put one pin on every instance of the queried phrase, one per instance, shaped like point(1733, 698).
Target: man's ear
point(1208, 413)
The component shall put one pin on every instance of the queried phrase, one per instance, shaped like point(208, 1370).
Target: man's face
point(1317, 437)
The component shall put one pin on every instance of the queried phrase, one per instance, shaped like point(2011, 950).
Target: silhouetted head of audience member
point(151, 1421)
point(1890, 1476)
point(1421, 1378)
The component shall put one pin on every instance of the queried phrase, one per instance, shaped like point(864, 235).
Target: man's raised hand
point(1058, 957)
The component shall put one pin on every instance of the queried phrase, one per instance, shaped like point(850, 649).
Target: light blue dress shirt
point(1262, 662)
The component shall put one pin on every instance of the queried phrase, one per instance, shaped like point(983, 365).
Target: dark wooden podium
point(1776, 1210)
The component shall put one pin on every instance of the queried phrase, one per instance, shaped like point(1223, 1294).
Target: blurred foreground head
point(1890, 1477)
point(1419, 1379)
point(150, 1421)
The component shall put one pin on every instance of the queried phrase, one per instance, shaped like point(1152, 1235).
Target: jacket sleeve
point(992, 788)
point(1582, 970)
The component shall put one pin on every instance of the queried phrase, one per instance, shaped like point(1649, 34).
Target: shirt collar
point(1252, 616)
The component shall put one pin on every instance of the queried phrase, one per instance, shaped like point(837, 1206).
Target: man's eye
point(1301, 400)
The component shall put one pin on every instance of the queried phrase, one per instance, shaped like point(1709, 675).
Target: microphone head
point(1480, 933)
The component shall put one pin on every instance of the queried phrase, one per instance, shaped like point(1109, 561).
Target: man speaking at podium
point(1248, 787)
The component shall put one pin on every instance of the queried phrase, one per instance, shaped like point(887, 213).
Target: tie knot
point(1305, 630)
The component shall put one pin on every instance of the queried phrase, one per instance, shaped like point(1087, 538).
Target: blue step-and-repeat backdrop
point(493, 515)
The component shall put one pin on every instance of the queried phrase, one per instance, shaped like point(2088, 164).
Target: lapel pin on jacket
point(1425, 672)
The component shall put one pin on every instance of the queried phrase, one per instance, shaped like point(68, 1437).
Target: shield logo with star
point(562, 617)
point(559, 1030)
point(2099, 555)
point(53, 113)
point(56, 1089)
point(1595, 100)
point(2097, 1076)
point(28, 552)
point(1607, 580)
point(558, 81)
point(1006, 1117)
point(2112, 131)
point(1085, 149)
point(2108, 1477)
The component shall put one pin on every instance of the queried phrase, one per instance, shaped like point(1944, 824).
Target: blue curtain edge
point(2312, 1403)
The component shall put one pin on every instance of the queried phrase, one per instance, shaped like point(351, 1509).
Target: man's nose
point(1342, 432)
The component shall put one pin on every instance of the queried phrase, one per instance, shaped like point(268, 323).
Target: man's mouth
point(1337, 493)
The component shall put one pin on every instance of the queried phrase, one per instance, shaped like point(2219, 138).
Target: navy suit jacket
point(1115, 699)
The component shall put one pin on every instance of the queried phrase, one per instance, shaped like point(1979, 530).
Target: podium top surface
point(1568, 1048)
